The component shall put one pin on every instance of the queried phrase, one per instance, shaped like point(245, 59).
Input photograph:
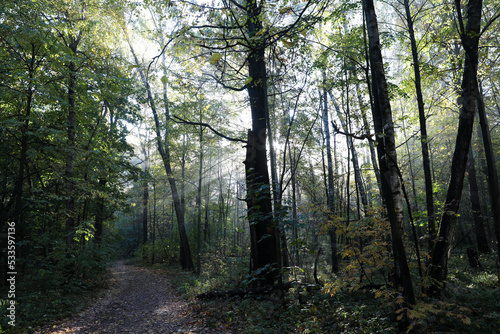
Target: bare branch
point(352, 135)
point(182, 121)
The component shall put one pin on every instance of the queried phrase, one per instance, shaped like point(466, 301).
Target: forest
point(293, 166)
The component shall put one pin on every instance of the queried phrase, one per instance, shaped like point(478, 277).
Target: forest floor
point(139, 300)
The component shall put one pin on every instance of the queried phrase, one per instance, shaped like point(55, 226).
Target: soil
point(139, 300)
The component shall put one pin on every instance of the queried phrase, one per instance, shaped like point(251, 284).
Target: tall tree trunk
point(438, 270)
point(153, 225)
point(18, 192)
point(330, 187)
point(71, 145)
point(264, 235)
point(278, 208)
point(206, 228)
point(493, 181)
point(265, 239)
point(386, 149)
point(198, 202)
point(370, 96)
point(145, 200)
point(482, 241)
point(354, 154)
point(185, 250)
point(99, 219)
point(294, 203)
point(164, 150)
point(429, 199)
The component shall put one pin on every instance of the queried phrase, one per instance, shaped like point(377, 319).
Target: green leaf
point(248, 80)
point(164, 79)
point(215, 58)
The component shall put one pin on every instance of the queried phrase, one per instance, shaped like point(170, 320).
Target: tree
point(164, 150)
point(469, 34)
point(482, 241)
point(492, 172)
point(424, 139)
point(386, 150)
point(245, 28)
point(330, 189)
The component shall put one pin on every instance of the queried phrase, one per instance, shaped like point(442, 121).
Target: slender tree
point(386, 150)
point(424, 140)
point(330, 188)
point(164, 150)
point(482, 241)
point(469, 34)
point(491, 168)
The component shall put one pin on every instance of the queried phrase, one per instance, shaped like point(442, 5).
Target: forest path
point(140, 300)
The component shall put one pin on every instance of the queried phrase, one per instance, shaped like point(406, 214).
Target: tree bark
point(386, 150)
point(438, 270)
point(265, 237)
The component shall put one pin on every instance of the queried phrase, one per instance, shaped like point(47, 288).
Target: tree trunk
point(145, 199)
point(18, 192)
point(429, 199)
point(438, 270)
point(330, 188)
point(99, 219)
point(71, 145)
point(294, 204)
point(185, 251)
point(206, 228)
point(164, 150)
point(264, 238)
point(278, 208)
point(354, 154)
point(386, 149)
point(198, 203)
point(265, 234)
point(493, 181)
point(153, 225)
point(482, 241)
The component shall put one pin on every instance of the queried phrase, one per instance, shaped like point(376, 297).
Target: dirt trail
point(139, 301)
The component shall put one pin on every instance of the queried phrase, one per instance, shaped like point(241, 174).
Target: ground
point(139, 300)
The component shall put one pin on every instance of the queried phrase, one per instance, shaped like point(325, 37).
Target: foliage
point(470, 306)
point(57, 288)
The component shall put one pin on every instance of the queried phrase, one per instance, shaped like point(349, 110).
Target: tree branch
point(183, 121)
point(352, 135)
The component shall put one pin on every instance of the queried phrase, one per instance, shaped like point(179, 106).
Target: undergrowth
point(470, 304)
point(49, 291)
